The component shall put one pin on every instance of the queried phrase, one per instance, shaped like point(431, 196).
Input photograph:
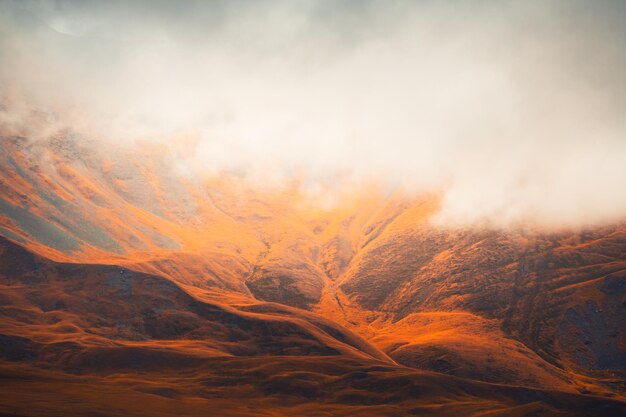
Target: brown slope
point(102, 305)
point(89, 339)
point(279, 387)
point(559, 294)
point(552, 301)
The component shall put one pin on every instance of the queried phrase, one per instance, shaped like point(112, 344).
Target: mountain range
point(133, 284)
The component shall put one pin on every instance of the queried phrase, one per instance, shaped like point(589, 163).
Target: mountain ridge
point(370, 277)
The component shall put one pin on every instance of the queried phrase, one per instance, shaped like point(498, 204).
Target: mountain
point(132, 285)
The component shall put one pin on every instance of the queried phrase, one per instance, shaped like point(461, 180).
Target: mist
point(514, 111)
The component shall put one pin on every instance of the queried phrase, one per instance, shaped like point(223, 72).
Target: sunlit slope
point(79, 204)
point(84, 339)
point(69, 199)
point(462, 301)
point(73, 201)
point(561, 295)
point(94, 311)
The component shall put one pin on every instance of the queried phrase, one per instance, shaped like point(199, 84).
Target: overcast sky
point(517, 109)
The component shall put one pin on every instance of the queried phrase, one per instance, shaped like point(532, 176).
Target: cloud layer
point(516, 109)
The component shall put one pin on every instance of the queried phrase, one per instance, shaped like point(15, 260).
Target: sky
point(515, 111)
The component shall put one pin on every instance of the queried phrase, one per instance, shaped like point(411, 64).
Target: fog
point(514, 111)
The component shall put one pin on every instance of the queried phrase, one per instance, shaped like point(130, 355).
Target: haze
point(514, 111)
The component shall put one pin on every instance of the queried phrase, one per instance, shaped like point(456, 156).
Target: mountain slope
point(117, 262)
point(91, 333)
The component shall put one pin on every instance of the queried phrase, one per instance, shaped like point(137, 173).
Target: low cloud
point(516, 110)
